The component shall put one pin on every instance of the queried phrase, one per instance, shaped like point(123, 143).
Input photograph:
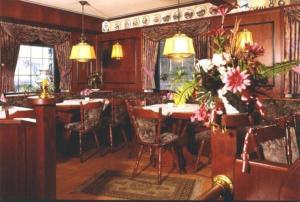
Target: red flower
point(254, 49)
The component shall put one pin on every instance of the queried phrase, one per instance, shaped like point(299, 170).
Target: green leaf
point(184, 92)
point(277, 68)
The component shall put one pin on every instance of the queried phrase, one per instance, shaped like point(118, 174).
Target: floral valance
point(26, 33)
point(293, 12)
point(189, 28)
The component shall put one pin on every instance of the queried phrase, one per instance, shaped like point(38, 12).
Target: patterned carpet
point(118, 184)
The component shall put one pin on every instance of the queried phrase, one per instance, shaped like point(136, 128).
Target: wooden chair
point(130, 104)
point(118, 119)
point(263, 141)
point(147, 125)
point(202, 137)
point(90, 119)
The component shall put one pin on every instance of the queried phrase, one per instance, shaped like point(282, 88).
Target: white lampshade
point(117, 51)
point(244, 37)
point(179, 46)
point(82, 52)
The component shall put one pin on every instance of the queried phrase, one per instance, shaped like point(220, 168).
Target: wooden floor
point(71, 173)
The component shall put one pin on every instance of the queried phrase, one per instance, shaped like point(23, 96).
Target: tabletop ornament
point(230, 81)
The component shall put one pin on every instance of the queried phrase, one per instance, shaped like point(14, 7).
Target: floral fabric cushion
point(274, 150)
point(146, 131)
point(92, 119)
point(120, 114)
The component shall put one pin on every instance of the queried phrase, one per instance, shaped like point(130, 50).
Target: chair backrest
point(130, 104)
point(91, 114)
point(118, 110)
point(268, 142)
point(147, 124)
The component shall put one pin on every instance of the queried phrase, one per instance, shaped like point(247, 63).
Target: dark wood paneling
point(124, 74)
point(20, 11)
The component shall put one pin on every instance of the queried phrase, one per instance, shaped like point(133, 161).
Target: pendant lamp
point(180, 45)
point(82, 52)
point(117, 51)
point(244, 37)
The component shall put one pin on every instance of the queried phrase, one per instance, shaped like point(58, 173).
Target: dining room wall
point(266, 26)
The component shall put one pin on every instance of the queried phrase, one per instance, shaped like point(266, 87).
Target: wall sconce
point(244, 37)
point(117, 51)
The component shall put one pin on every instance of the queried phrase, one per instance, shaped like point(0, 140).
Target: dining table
point(180, 114)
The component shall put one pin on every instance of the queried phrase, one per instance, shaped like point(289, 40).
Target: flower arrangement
point(86, 92)
point(230, 81)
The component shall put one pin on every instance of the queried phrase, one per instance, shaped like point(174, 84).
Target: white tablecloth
point(75, 102)
point(168, 109)
point(12, 110)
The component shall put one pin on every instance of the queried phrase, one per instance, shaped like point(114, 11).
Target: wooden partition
point(28, 154)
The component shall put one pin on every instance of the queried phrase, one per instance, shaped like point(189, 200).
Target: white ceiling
point(111, 8)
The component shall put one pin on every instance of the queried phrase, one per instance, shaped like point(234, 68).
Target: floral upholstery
point(203, 135)
point(146, 130)
point(274, 150)
point(120, 115)
point(92, 119)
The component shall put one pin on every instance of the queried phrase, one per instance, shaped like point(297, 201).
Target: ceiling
point(107, 9)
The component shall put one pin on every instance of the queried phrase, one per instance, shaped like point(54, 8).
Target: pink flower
point(86, 92)
point(170, 96)
point(200, 115)
point(254, 49)
point(3, 98)
point(235, 80)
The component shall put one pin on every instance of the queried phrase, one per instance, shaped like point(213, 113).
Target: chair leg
point(124, 137)
point(199, 154)
point(138, 160)
point(152, 157)
point(96, 139)
point(174, 158)
point(111, 138)
point(80, 147)
point(159, 165)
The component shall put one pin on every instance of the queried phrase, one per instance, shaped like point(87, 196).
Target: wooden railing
point(222, 189)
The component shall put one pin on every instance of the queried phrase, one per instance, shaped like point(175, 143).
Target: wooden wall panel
point(124, 74)
point(23, 12)
point(266, 27)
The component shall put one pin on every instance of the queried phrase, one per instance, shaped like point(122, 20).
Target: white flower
point(223, 71)
point(218, 60)
point(206, 65)
point(227, 57)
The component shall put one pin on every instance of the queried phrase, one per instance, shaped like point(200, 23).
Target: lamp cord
point(83, 3)
point(178, 17)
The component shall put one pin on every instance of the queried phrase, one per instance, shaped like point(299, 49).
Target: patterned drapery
point(25, 34)
point(9, 51)
point(292, 47)
point(152, 36)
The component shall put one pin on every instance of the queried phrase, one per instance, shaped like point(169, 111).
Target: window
point(31, 59)
point(168, 69)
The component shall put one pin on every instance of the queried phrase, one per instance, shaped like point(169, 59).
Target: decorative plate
point(213, 10)
point(156, 19)
point(200, 12)
point(166, 17)
point(145, 20)
point(176, 15)
point(117, 25)
point(188, 13)
point(135, 22)
point(127, 24)
point(105, 26)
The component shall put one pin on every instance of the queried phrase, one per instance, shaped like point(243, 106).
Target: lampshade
point(82, 52)
point(244, 37)
point(117, 51)
point(179, 46)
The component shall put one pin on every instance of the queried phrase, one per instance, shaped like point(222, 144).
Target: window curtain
point(9, 51)
point(292, 48)
point(152, 35)
point(27, 34)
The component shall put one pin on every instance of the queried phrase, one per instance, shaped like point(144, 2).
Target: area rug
point(119, 184)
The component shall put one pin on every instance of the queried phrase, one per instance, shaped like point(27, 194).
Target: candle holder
point(44, 83)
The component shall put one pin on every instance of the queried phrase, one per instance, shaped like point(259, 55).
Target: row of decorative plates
point(158, 18)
